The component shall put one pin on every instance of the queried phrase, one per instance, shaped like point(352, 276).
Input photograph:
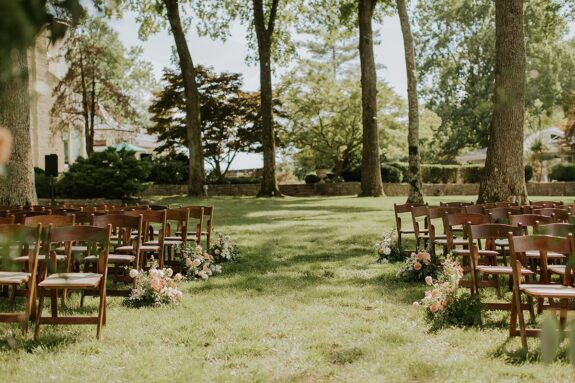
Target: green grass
point(307, 303)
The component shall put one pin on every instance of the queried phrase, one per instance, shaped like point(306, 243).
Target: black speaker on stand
point(51, 170)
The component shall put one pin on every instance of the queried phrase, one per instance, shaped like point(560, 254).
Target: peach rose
point(417, 266)
point(433, 308)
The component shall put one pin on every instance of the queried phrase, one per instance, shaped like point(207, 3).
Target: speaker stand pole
point(52, 193)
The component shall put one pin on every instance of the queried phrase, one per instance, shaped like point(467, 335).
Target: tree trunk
point(504, 177)
point(370, 167)
point(414, 174)
point(269, 186)
point(85, 109)
point(193, 118)
point(17, 186)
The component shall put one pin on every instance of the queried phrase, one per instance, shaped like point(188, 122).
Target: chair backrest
point(28, 241)
point(501, 214)
point(455, 204)
point(560, 215)
point(519, 245)
point(460, 219)
point(9, 220)
point(149, 217)
point(97, 240)
point(181, 217)
point(403, 209)
point(54, 220)
point(85, 217)
point(555, 229)
point(20, 216)
point(123, 225)
point(439, 212)
point(475, 209)
point(491, 231)
point(529, 220)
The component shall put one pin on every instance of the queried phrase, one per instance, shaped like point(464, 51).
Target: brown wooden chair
point(455, 204)
point(460, 220)
point(544, 204)
point(27, 241)
point(9, 220)
point(400, 210)
point(20, 216)
point(209, 219)
point(543, 290)
point(434, 216)
point(177, 220)
point(46, 221)
point(98, 239)
point(195, 224)
point(485, 272)
point(559, 215)
point(527, 222)
point(501, 214)
point(420, 223)
point(149, 245)
point(124, 226)
point(475, 209)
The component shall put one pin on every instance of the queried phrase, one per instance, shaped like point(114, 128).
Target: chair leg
point(531, 309)
point(101, 313)
point(39, 315)
point(521, 321)
point(54, 302)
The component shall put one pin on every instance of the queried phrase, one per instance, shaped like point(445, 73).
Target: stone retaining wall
point(353, 188)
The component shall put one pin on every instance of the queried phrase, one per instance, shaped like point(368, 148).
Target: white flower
point(217, 252)
point(203, 275)
point(170, 272)
point(178, 277)
point(196, 262)
point(387, 251)
point(429, 280)
point(134, 273)
point(161, 273)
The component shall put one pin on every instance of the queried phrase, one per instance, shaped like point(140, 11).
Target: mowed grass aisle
point(306, 303)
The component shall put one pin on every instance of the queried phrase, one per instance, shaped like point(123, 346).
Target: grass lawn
point(306, 303)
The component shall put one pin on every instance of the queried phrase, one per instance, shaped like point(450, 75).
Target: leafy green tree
point(231, 121)
point(20, 23)
point(455, 46)
point(102, 77)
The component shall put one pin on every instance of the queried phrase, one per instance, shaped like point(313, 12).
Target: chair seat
point(129, 248)
point(113, 258)
point(13, 277)
point(502, 242)
point(437, 236)
point(456, 242)
point(41, 257)
point(75, 249)
point(548, 291)
point(167, 242)
point(406, 231)
point(550, 255)
point(501, 270)
point(71, 280)
point(487, 253)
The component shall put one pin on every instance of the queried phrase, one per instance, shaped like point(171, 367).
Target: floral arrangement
point(419, 266)
point(154, 287)
point(388, 249)
point(198, 264)
point(448, 305)
point(223, 249)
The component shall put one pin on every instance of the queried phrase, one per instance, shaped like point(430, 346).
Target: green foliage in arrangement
point(464, 310)
point(108, 174)
point(563, 172)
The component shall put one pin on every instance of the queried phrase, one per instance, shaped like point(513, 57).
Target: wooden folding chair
point(400, 210)
point(124, 226)
point(209, 219)
point(543, 290)
point(456, 204)
point(453, 220)
point(20, 216)
point(177, 220)
point(557, 230)
point(434, 215)
point(420, 223)
point(195, 224)
point(9, 220)
point(26, 241)
point(474, 209)
point(98, 240)
point(149, 246)
point(559, 215)
point(485, 271)
point(544, 204)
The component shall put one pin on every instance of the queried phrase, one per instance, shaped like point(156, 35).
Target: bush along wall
point(562, 172)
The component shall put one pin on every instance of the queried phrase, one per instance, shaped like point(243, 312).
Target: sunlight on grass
point(307, 302)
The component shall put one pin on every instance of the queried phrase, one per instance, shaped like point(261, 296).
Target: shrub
point(107, 174)
point(528, 173)
point(471, 174)
point(563, 172)
point(43, 188)
point(390, 174)
point(239, 181)
point(403, 168)
point(436, 174)
point(169, 170)
point(311, 179)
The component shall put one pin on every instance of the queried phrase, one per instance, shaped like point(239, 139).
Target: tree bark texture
point(17, 186)
point(503, 178)
point(371, 184)
point(414, 174)
point(264, 34)
point(193, 118)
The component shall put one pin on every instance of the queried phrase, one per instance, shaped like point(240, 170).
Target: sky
point(229, 56)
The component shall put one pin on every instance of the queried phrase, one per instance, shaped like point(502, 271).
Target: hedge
point(563, 172)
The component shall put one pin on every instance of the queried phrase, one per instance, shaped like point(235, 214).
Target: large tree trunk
point(17, 186)
point(193, 119)
point(370, 167)
point(269, 186)
point(504, 178)
point(414, 174)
